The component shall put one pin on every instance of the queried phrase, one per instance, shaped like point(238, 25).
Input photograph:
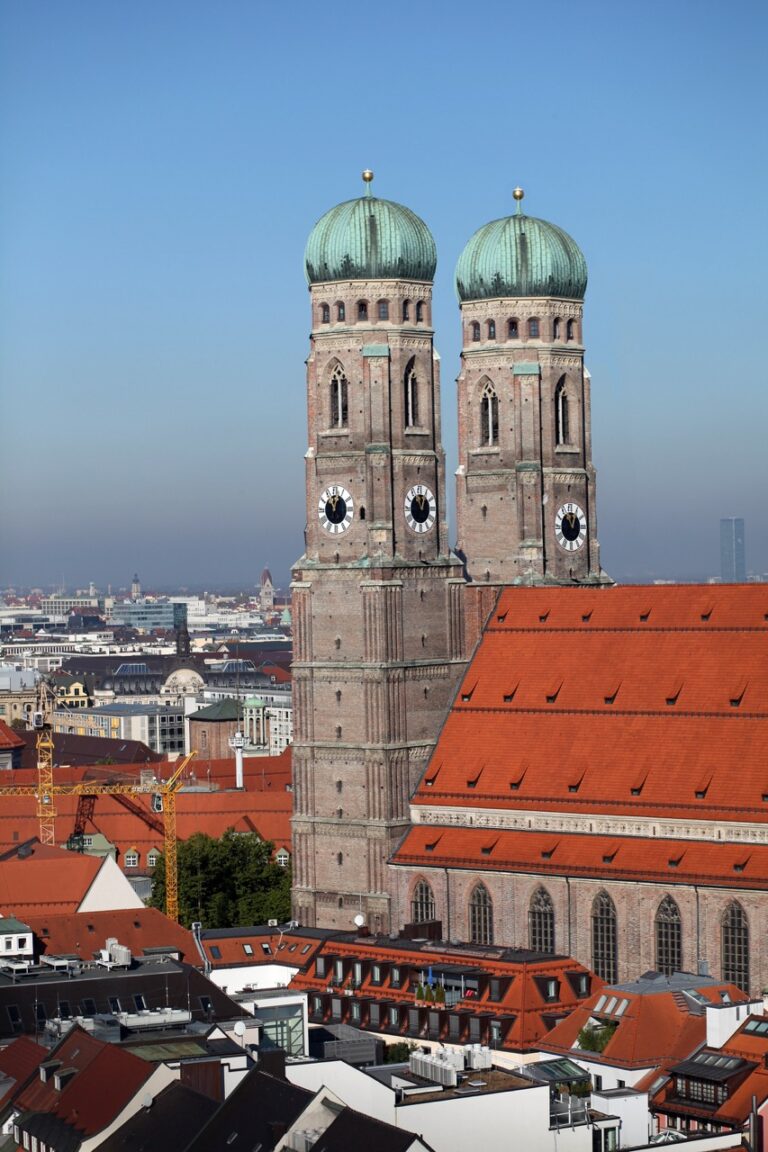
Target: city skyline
point(168, 167)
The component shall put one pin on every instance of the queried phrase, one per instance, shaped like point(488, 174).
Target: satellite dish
point(239, 1028)
point(359, 920)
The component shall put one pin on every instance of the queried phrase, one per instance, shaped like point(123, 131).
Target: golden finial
point(518, 194)
point(367, 177)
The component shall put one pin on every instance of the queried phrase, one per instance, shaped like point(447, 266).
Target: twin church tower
point(385, 612)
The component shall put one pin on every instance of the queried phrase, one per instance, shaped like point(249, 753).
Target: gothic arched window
point(604, 947)
point(491, 329)
point(383, 308)
point(562, 432)
point(512, 330)
point(734, 936)
point(325, 314)
point(541, 922)
point(341, 312)
point(556, 328)
point(422, 903)
point(339, 398)
point(362, 309)
point(669, 937)
point(570, 330)
point(480, 916)
point(406, 309)
point(533, 328)
point(411, 395)
point(489, 417)
point(419, 311)
point(474, 329)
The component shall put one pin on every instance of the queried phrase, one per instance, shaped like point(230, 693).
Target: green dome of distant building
point(370, 239)
point(521, 256)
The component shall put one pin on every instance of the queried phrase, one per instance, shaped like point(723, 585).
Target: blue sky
point(164, 163)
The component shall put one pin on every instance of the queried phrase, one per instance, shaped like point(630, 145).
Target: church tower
point(525, 483)
point(377, 595)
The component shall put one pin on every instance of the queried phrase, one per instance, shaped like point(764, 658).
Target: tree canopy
point(227, 882)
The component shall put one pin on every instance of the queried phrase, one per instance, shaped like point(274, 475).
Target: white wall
point(110, 889)
point(724, 1019)
point(632, 1110)
point(234, 980)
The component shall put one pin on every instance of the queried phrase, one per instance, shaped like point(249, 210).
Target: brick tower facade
point(377, 595)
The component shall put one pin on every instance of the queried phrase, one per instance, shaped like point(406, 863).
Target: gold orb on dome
point(367, 175)
point(518, 193)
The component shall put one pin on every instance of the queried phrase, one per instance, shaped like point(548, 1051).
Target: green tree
point(227, 882)
point(595, 1037)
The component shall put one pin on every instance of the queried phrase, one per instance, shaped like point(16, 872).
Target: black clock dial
point(335, 509)
point(420, 509)
point(570, 526)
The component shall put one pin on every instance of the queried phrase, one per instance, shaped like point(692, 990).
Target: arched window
point(556, 328)
point(570, 330)
point(489, 417)
point(604, 948)
point(411, 395)
point(533, 328)
point(406, 309)
point(422, 903)
point(734, 933)
point(541, 922)
point(383, 307)
point(419, 311)
point(491, 329)
point(562, 430)
point(474, 329)
point(669, 937)
point(480, 916)
point(362, 309)
point(325, 314)
point(339, 398)
point(512, 330)
point(341, 312)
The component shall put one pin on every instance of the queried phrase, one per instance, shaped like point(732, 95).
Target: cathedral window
point(533, 328)
point(668, 932)
point(341, 312)
point(491, 329)
point(339, 399)
point(325, 314)
point(734, 929)
point(512, 330)
point(422, 903)
point(474, 329)
point(480, 916)
point(362, 309)
point(419, 311)
point(383, 309)
point(556, 328)
point(411, 395)
point(541, 922)
point(561, 414)
point(489, 418)
point(570, 330)
point(406, 309)
point(604, 945)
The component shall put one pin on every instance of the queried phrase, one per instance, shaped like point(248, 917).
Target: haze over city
point(165, 165)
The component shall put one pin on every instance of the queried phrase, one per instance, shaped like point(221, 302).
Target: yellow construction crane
point(47, 790)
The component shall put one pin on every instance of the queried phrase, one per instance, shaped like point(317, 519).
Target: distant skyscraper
point(733, 566)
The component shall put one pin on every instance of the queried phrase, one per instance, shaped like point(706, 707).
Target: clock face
point(420, 508)
point(335, 508)
point(571, 527)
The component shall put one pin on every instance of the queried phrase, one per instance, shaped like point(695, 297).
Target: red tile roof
point(9, 738)
point(84, 933)
point(289, 948)
point(635, 700)
point(49, 880)
point(18, 1062)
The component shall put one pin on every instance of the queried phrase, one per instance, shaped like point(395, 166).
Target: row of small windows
point(339, 396)
point(131, 858)
point(489, 415)
point(668, 934)
point(382, 311)
point(533, 329)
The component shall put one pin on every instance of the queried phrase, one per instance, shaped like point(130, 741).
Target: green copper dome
point(370, 239)
point(521, 256)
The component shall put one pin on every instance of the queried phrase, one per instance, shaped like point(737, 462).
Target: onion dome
point(521, 256)
point(370, 239)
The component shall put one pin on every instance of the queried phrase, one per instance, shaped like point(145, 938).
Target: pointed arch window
point(406, 309)
point(562, 428)
point(533, 328)
point(341, 312)
point(480, 916)
point(513, 330)
point(669, 937)
point(541, 922)
point(411, 395)
point(491, 329)
point(474, 331)
point(419, 311)
point(325, 314)
point(362, 309)
point(489, 417)
point(734, 943)
point(604, 944)
point(383, 309)
point(339, 398)
point(422, 903)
